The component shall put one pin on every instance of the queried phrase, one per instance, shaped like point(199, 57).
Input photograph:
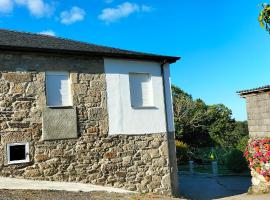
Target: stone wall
point(258, 109)
point(138, 163)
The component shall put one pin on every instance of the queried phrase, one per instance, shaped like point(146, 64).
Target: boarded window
point(58, 89)
point(141, 91)
point(18, 153)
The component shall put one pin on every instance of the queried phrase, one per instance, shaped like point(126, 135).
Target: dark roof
point(255, 90)
point(14, 40)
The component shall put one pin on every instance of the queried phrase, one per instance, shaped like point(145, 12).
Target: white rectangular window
point(58, 89)
point(18, 153)
point(141, 90)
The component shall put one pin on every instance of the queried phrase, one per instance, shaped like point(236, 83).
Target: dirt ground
point(57, 195)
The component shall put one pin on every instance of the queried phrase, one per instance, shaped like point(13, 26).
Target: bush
point(182, 151)
point(236, 162)
point(202, 155)
point(242, 143)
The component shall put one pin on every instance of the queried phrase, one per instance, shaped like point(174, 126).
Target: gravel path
point(59, 195)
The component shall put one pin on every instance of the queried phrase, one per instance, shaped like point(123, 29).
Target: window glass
point(18, 153)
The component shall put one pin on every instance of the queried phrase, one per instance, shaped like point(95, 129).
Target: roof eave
point(245, 93)
point(168, 59)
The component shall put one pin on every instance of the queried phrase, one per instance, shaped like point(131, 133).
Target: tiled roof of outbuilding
point(14, 40)
point(254, 90)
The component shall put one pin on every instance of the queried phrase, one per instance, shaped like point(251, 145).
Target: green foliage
point(236, 162)
point(200, 125)
point(182, 152)
point(221, 125)
point(190, 118)
point(242, 143)
point(180, 145)
point(204, 155)
point(264, 17)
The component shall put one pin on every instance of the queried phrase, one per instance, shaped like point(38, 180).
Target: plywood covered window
point(58, 89)
point(141, 90)
point(18, 153)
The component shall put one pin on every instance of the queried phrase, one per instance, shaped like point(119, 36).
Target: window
point(141, 91)
point(58, 89)
point(18, 153)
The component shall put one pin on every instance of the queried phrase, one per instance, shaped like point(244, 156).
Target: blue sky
point(223, 49)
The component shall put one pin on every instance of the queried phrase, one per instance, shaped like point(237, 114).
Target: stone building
point(78, 112)
point(258, 110)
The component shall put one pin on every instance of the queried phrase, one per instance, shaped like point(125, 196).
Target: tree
point(201, 125)
point(189, 119)
point(264, 17)
point(221, 126)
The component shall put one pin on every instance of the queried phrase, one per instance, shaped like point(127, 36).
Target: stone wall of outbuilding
point(138, 163)
point(258, 111)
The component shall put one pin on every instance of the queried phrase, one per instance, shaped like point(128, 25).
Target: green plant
point(236, 162)
point(182, 151)
point(264, 17)
point(242, 143)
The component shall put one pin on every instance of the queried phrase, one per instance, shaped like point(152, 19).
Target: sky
point(221, 45)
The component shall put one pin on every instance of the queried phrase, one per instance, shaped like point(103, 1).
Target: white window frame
point(27, 158)
point(48, 73)
point(152, 104)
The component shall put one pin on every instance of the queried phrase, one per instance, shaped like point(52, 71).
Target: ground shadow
point(205, 187)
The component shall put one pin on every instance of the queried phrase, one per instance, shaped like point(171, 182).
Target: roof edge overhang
point(167, 59)
point(263, 89)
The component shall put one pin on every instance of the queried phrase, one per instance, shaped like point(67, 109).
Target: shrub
point(236, 162)
point(242, 143)
point(182, 151)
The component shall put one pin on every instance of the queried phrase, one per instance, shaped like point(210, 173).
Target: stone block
point(18, 124)
point(4, 86)
point(17, 77)
point(22, 105)
point(59, 123)
point(41, 157)
point(32, 173)
point(13, 137)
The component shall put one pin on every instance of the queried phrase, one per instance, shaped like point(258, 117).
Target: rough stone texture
point(258, 109)
point(59, 123)
point(259, 184)
point(138, 163)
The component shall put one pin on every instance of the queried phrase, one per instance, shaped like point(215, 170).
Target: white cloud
point(6, 6)
point(48, 32)
point(37, 8)
point(109, 15)
point(74, 15)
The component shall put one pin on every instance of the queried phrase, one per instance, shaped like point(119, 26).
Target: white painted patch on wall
point(141, 90)
point(125, 118)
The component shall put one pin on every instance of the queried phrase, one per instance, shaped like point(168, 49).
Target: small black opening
point(17, 152)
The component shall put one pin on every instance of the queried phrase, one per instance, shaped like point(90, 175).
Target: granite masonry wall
point(138, 163)
point(258, 110)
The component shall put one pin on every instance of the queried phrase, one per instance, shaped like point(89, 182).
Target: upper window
point(58, 89)
point(18, 153)
point(141, 91)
